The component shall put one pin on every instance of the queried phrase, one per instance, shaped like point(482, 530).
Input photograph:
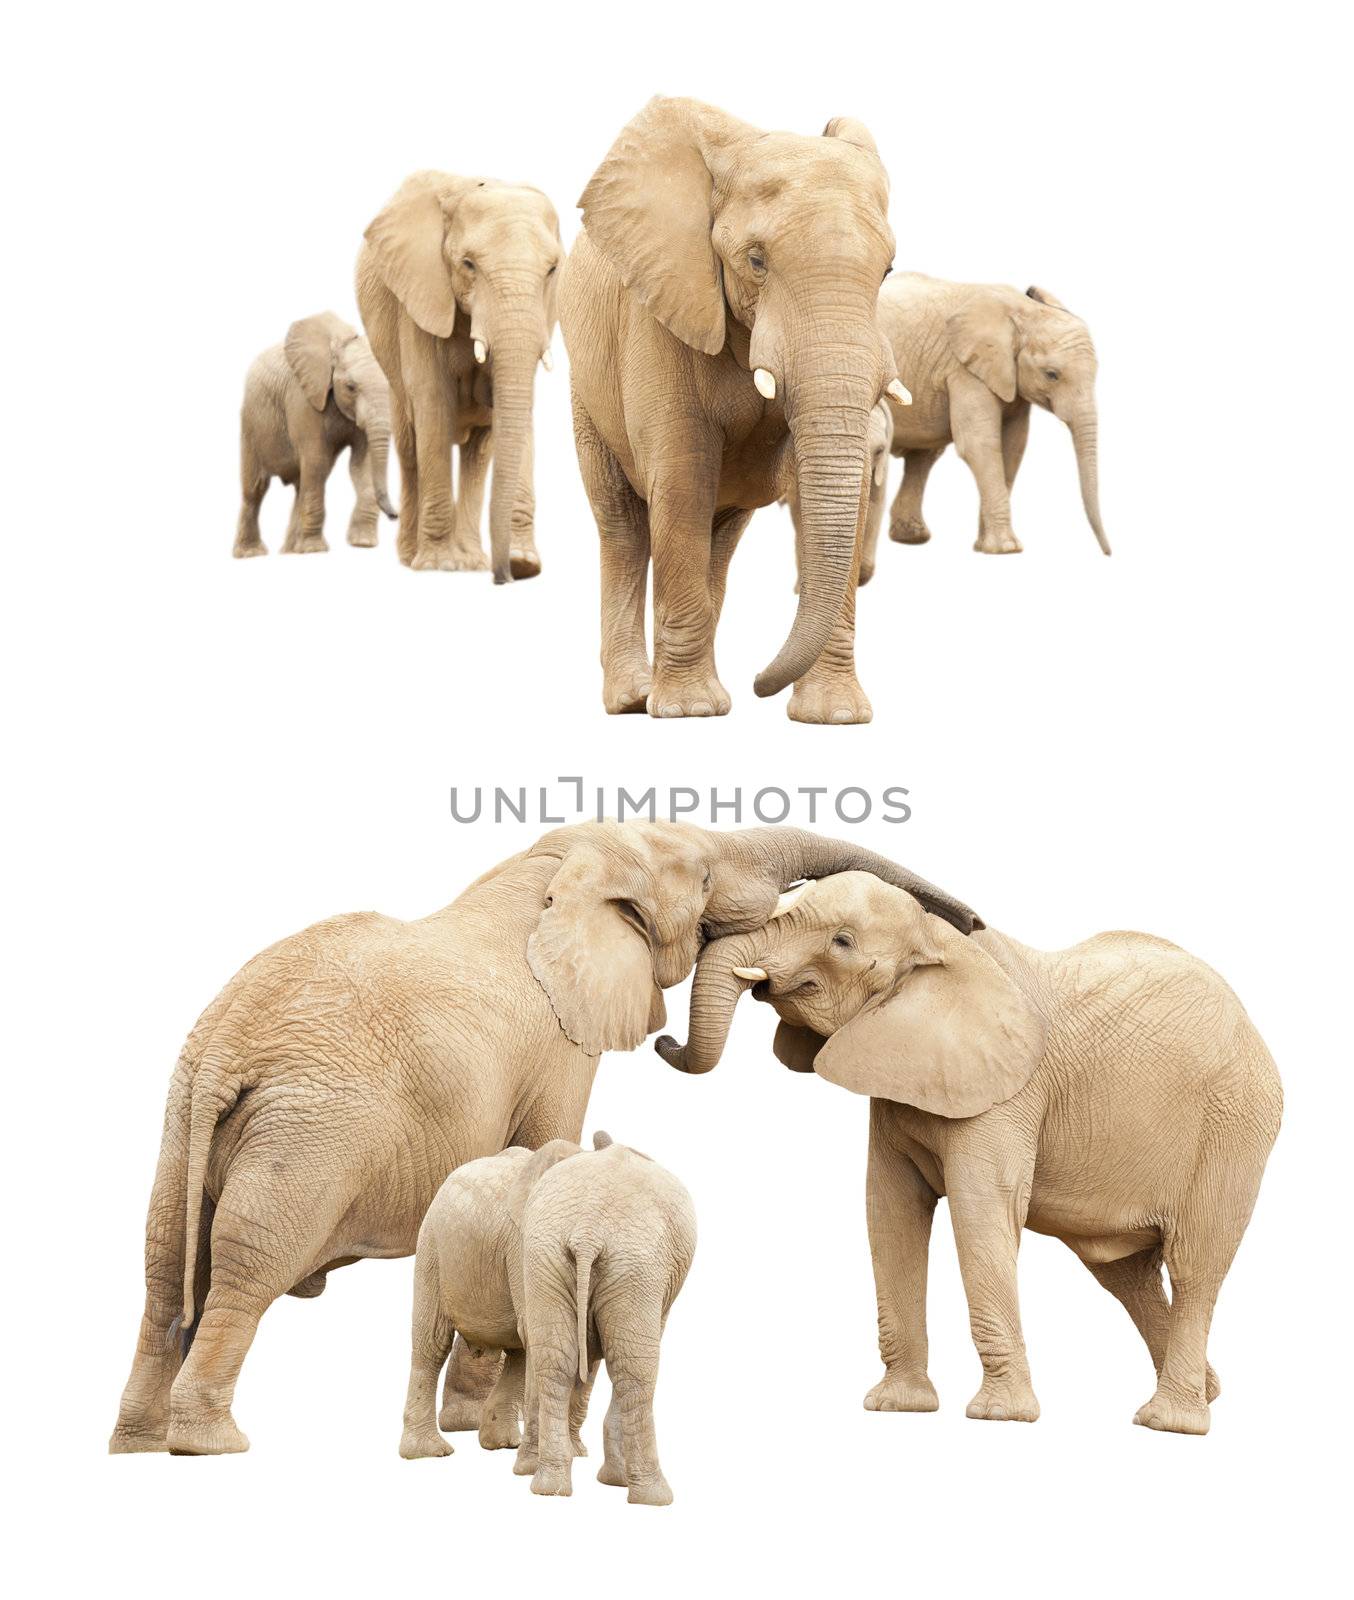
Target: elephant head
point(328, 357)
point(479, 257)
point(1031, 345)
point(629, 905)
point(774, 245)
point(874, 992)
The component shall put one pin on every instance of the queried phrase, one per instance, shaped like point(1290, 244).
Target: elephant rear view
point(307, 400)
point(607, 1240)
point(456, 280)
point(976, 357)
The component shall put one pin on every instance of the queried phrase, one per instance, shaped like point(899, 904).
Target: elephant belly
point(483, 1316)
point(1095, 1248)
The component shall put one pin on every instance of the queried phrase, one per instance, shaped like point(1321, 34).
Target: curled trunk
point(829, 421)
point(1085, 440)
point(714, 994)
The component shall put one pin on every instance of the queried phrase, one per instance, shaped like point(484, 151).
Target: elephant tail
point(216, 1088)
point(583, 1259)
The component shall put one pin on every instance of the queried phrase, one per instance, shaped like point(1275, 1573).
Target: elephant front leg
point(907, 525)
point(305, 535)
point(437, 548)
point(472, 470)
point(987, 1217)
point(899, 1207)
point(830, 691)
point(977, 423)
point(681, 519)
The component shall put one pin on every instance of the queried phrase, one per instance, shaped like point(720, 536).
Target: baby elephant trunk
point(725, 969)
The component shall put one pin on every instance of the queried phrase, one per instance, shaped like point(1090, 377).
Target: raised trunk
point(1086, 443)
point(781, 856)
point(829, 414)
point(515, 350)
point(715, 992)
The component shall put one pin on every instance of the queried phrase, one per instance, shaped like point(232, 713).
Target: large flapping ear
point(406, 239)
point(954, 1037)
point(648, 209)
point(591, 953)
point(983, 339)
point(796, 1047)
point(310, 347)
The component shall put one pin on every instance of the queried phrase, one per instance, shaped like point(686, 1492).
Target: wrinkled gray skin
point(306, 401)
point(607, 1241)
point(975, 357)
point(344, 1072)
point(1114, 1095)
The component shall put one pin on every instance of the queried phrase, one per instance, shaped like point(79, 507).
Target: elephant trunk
point(828, 412)
point(518, 337)
point(715, 992)
point(1085, 440)
point(378, 445)
point(779, 856)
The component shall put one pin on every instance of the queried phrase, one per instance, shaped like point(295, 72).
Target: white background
point(208, 754)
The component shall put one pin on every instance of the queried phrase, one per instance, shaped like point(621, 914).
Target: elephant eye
point(888, 269)
point(756, 260)
point(843, 941)
point(1052, 374)
point(551, 272)
point(467, 263)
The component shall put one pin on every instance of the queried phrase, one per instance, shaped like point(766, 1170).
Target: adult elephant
point(456, 282)
point(329, 1089)
point(719, 310)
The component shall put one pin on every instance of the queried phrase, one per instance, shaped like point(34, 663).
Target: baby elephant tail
point(583, 1257)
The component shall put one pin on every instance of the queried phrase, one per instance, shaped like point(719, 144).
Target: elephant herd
point(371, 1087)
point(730, 346)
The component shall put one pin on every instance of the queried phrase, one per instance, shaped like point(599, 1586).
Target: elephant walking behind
point(338, 1078)
point(1114, 1095)
point(306, 401)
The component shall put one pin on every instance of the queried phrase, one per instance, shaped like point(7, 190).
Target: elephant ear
point(648, 209)
point(406, 239)
point(852, 132)
point(982, 337)
point(309, 348)
point(796, 1047)
point(590, 952)
point(954, 1037)
point(1034, 292)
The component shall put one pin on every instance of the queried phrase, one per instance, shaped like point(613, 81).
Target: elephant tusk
point(879, 475)
point(481, 351)
point(546, 362)
point(766, 384)
point(751, 974)
point(895, 391)
point(789, 900)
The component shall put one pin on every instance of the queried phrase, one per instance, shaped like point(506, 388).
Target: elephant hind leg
point(631, 1334)
point(253, 486)
point(470, 1377)
point(1135, 1282)
point(430, 1344)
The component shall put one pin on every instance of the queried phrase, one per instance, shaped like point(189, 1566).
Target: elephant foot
point(626, 692)
point(612, 1475)
point(1004, 1400)
point(909, 530)
point(1170, 1413)
point(526, 1463)
point(830, 700)
point(654, 1493)
point(206, 1436)
point(314, 544)
point(364, 538)
point(460, 1413)
point(702, 696)
point(418, 1444)
point(523, 562)
point(253, 547)
point(902, 1391)
point(129, 1441)
point(1003, 543)
point(552, 1480)
point(500, 1430)
point(448, 558)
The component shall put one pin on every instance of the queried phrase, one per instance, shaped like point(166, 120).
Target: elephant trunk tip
point(388, 509)
point(672, 1052)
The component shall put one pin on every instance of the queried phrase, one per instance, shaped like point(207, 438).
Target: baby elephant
point(306, 400)
point(975, 357)
point(1114, 1095)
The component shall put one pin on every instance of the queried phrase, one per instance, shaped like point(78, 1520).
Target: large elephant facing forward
point(719, 309)
point(1114, 1095)
point(456, 281)
point(329, 1089)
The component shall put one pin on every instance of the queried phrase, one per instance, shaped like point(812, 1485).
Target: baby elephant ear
point(955, 1037)
point(309, 348)
point(982, 337)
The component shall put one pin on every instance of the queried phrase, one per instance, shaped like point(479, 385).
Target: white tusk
point(896, 391)
point(752, 974)
point(879, 474)
point(546, 362)
point(789, 900)
point(481, 351)
point(766, 384)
